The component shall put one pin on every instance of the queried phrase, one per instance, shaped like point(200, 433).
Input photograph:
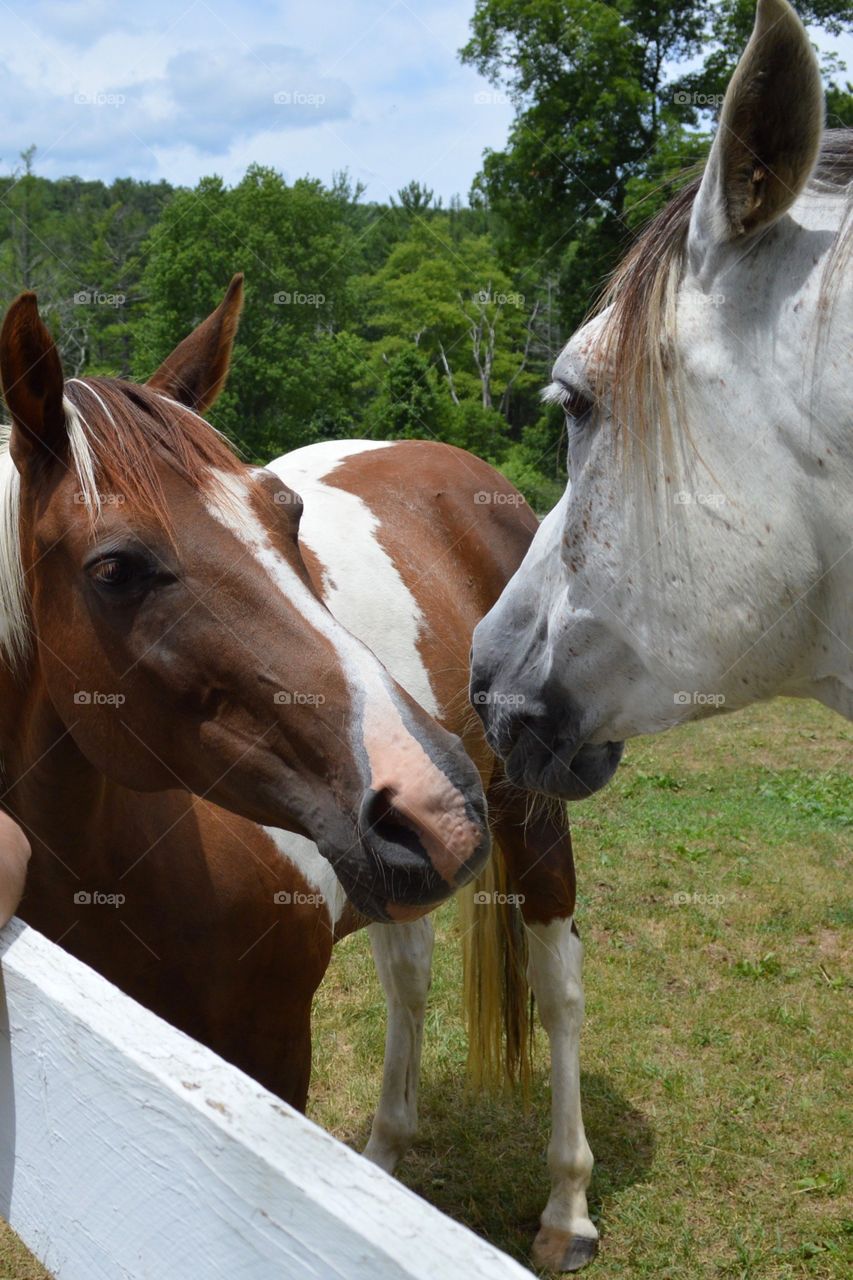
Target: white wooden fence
point(129, 1151)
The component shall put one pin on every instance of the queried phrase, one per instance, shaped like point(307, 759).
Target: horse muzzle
point(540, 754)
point(411, 854)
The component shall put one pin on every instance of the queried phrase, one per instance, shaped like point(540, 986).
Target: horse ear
point(33, 383)
point(195, 372)
point(768, 137)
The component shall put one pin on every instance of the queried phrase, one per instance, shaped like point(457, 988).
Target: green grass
point(16, 1263)
point(715, 909)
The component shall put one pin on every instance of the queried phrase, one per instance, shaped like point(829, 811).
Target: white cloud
point(211, 98)
point(153, 90)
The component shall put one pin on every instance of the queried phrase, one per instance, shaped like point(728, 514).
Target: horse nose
point(480, 690)
point(428, 841)
point(510, 717)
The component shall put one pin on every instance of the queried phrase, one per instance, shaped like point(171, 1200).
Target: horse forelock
point(119, 431)
point(637, 350)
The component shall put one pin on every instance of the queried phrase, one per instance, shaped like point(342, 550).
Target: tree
point(586, 78)
point(409, 406)
point(598, 110)
point(415, 198)
point(293, 243)
point(449, 297)
point(77, 244)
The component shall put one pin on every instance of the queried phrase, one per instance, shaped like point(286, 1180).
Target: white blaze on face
point(398, 763)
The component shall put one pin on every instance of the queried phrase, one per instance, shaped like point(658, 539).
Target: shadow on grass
point(482, 1159)
point(621, 1137)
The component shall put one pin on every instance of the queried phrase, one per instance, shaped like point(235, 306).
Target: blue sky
point(176, 90)
point(181, 89)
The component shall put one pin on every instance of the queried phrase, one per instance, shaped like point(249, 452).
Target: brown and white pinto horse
point(155, 621)
point(407, 543)
point(217, 775)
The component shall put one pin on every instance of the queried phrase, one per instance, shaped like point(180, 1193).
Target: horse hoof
point(562, 1251)
point(581, 1250)
point(381, 1156)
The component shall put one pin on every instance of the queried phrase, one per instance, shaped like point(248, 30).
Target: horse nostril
point(505, 727)
point(479, 696)
point(378, 819)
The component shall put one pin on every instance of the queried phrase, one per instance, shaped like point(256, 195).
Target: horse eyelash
point(572, 400)
point(575, 403)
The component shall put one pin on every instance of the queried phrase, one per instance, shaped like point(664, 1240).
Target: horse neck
point(46, 782)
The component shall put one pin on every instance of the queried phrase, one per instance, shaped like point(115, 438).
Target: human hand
point(14, 856)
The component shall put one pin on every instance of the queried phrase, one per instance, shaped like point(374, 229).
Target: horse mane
point(116, 433)
point(638, 352)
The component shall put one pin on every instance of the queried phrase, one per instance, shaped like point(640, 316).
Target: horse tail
point(497, 1004)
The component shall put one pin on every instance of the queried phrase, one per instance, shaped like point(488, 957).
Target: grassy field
point(716, 913)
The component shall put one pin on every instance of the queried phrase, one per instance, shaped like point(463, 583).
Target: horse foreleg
point(567, 1238)
point(403, 957)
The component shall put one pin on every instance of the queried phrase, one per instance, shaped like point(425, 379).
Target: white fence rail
point(129, 1151)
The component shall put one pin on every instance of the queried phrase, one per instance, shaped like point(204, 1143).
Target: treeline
point(406, 319)
point(361, 319)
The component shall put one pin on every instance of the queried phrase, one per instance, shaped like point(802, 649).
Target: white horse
point(702, 555)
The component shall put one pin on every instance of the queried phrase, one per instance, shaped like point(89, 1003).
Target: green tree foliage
point(444, 292)
point(79, 245)
point(292, 242)
point(604, 117)
point(587, 81)
point(409, 405)
point(408, 318)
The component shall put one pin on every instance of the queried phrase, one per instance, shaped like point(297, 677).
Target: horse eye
point(111, 572)
point(118, 572)
point(577, 403)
